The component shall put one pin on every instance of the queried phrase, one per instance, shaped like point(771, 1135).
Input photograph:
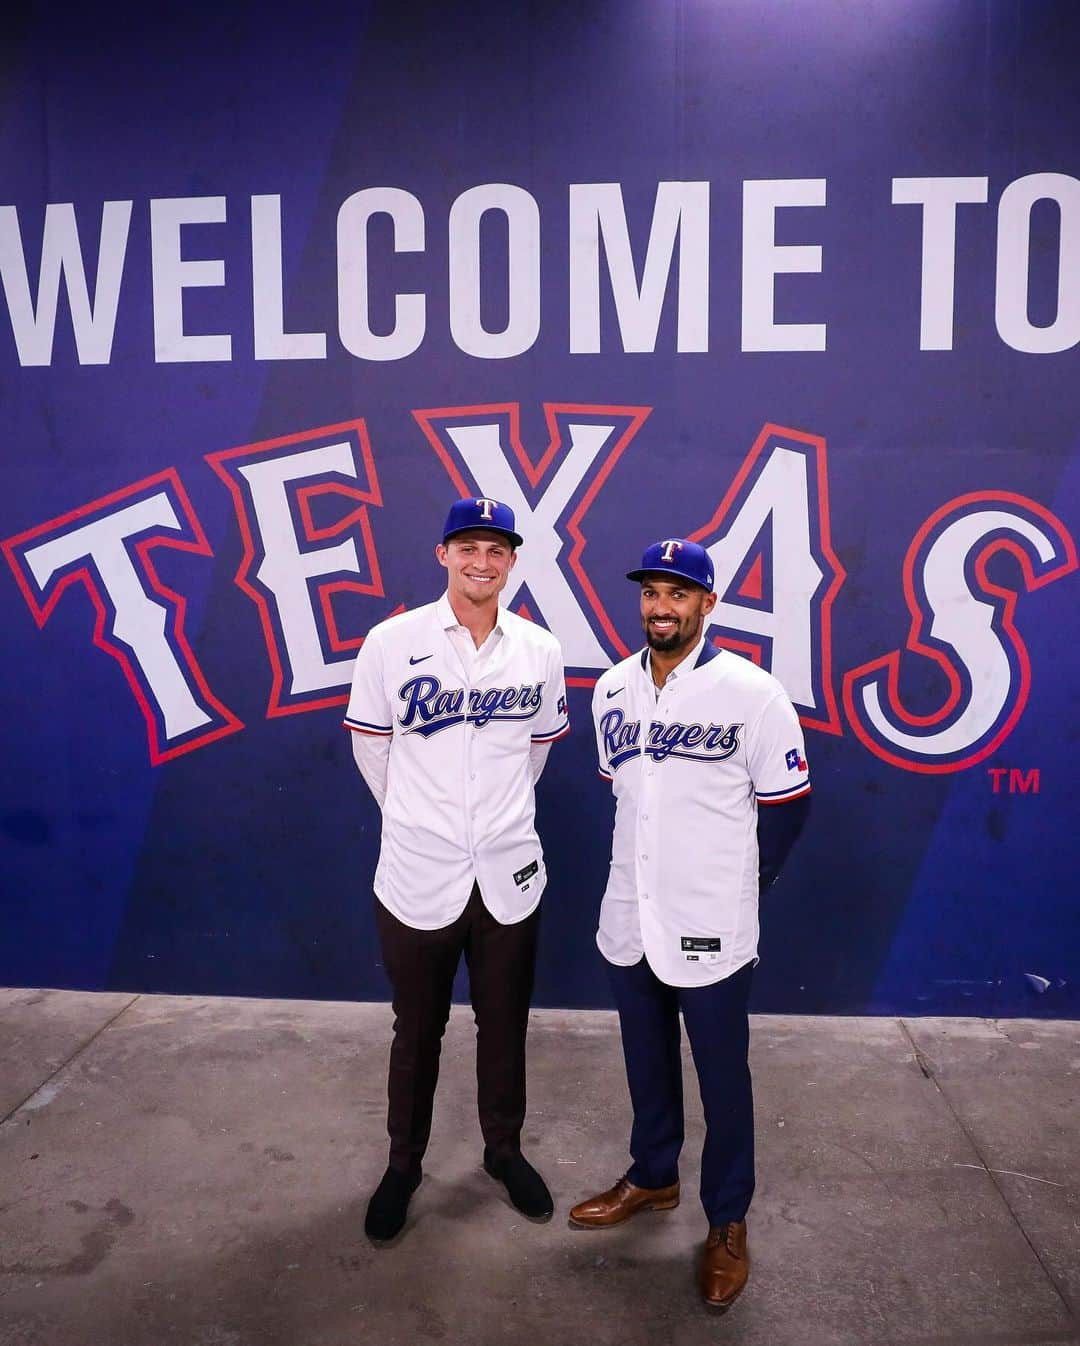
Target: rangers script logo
point(429, 708)
point(691, 742)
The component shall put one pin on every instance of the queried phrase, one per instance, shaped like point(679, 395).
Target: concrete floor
point(195, 1171)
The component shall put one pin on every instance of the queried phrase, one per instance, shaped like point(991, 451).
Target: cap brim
point(515, 538)
point(666, 573)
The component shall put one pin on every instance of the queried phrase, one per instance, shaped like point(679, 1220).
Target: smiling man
point(453, 709)
point(705, 755)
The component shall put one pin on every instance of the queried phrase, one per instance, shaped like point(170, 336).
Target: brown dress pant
point(421, 965)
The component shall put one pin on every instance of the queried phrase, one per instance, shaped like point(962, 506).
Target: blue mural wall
point(799, 280)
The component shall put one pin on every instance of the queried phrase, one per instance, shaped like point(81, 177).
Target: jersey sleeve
point(552, 720)
point(368, 711)
point(775, 754)
point(601, 756)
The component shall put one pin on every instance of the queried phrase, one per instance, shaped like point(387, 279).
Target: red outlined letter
point(777, 575)
point(481, 449)
point(964, 623)
point(106, 546)
point(278, 487)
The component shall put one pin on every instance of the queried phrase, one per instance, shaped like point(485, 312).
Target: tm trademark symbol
point(1018, 782)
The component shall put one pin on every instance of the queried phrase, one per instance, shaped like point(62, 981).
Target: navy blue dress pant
point(719, 1032)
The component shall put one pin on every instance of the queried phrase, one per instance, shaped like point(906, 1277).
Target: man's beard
point(679, 639)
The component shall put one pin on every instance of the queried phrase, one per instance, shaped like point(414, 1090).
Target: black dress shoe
point(389, 1204)
point(525, 1187)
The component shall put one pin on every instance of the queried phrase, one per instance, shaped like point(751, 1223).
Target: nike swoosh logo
point(420, 660)
point(614, 693)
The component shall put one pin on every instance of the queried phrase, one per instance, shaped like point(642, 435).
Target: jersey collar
point(695, 658)
point(447, 619)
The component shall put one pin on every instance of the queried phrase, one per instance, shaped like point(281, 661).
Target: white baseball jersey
point(459, 799)
point(689, 766)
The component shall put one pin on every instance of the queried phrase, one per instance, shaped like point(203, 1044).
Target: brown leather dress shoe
point(725, 1265)
point(618, 1203)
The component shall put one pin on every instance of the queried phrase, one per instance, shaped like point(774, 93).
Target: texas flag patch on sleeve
point(794, 761)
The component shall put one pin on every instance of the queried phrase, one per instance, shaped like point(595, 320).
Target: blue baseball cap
point(480, 512)
point(676, 556)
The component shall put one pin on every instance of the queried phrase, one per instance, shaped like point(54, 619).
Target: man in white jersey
point(453, 709)
point(705, 755)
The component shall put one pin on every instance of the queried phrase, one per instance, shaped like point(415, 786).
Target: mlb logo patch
point(794, 761)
